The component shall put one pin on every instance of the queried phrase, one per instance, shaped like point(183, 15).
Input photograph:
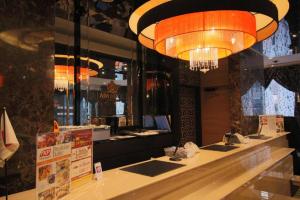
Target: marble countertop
point(116, 182)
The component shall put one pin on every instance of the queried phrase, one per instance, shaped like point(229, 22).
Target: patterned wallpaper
point(279, 100)
point(189, 82)
point(253, 100)
point(187, 114)
point(278, 44)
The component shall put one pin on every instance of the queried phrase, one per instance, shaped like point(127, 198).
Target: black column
point(77, 95)
point(140, 69)
point(175, 111)
point(298, 26)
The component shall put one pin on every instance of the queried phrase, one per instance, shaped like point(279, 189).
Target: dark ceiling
point(112, 16)
point(293, 18)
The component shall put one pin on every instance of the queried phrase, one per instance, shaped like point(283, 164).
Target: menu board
point(270, 124)
point(82, 153)
point(62, 157)
point(53, 165)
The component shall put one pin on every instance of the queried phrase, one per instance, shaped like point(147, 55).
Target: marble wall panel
point(246, 79)
point(26, 89)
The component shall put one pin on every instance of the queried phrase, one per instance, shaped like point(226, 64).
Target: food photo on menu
point(63, 137)
point(81, 138)
point(48, 194)
point(46, 140)
point(62, 172)
point(62, 191)
point(46, 174)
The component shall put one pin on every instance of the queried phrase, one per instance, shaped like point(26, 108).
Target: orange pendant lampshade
point(203, 31)
point(64, 76)
point(204, 37)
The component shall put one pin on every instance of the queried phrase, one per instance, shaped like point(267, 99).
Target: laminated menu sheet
point(271, 124)
point(53, 165)
point(62, 157)
point(82, 153)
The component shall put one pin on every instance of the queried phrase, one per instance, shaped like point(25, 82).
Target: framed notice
point(53, 165)
point(82, 153)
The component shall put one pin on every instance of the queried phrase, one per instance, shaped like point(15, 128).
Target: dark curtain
point(249, 78)
point(289, 77)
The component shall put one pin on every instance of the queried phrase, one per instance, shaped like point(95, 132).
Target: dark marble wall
point(234, 82)
point(26, 88)
point(246, 80)
point(227, 91)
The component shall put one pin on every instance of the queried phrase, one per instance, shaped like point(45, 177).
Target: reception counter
point(208, 175)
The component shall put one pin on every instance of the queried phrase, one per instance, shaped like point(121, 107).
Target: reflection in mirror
point(106, 88)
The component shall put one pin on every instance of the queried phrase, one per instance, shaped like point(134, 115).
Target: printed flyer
point(62, 157)
point(82, 153)
point(53, 165)
point(279, 124)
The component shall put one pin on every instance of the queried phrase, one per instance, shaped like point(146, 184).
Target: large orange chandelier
point(204, 31)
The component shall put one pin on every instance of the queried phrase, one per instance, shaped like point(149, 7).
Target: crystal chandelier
point(203, 31)
point(204, 59)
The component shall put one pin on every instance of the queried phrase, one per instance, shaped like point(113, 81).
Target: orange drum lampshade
point(63, 72)
point(203, 31)
point(64, 75)
point(215, 35)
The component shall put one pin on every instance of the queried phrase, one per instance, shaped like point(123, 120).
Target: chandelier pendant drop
point(204, 31)
point(204, 59)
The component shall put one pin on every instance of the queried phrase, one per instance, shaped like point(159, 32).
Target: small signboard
point(98, 171)
point(271, 124)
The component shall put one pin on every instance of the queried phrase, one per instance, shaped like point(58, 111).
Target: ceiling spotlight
point(294, 35)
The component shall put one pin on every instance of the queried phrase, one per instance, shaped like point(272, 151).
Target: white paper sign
point(98, 171)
